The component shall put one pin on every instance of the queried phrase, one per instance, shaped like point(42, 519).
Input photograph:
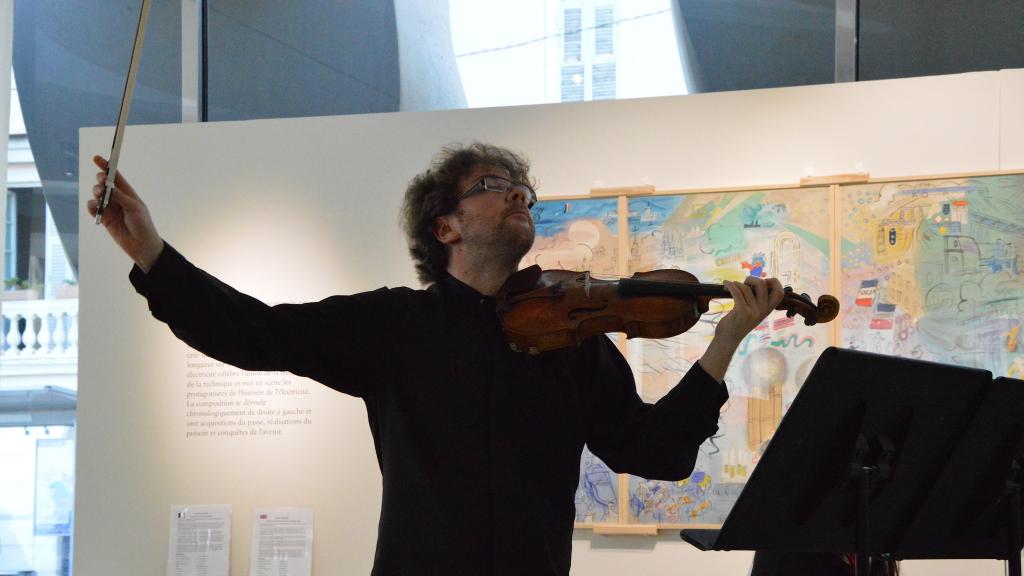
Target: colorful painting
point(929, 270)
point(576, 235)
point(582, 235)
point(932, 270)
point(717, 237)
point(597, 496)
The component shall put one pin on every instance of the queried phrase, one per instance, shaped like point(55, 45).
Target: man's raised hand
point(126, 218)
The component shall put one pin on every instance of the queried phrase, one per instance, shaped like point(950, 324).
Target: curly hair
point(435, 192)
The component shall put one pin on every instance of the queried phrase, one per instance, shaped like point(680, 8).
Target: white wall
point(1011, 91)
point(298, 209)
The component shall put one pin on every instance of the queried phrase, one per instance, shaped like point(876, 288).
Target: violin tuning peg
point(791, 312)
point(810, 322)
point(533, 351)
point(513, 346)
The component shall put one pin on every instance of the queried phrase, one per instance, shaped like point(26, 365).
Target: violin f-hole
point(576, 312)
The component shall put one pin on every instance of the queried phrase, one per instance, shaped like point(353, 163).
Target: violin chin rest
point(522, 281)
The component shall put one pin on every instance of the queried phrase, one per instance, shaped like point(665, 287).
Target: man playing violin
point(481, 444)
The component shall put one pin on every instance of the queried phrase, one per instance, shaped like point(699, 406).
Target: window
point(573, 36)
point(604, 81)
point(564, 50)
point(88, 49)
point(572, 83)
point(37, 388)
point(603, 37)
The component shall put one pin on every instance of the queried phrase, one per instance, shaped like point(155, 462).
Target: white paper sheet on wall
point(200, 541)
point(282, 542)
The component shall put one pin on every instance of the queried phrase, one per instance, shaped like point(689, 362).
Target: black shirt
point(479, 446)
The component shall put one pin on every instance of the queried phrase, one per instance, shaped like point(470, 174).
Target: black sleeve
point(654, 441)
point(336, 341)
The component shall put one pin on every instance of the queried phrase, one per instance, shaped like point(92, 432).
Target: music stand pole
point(863, 566)
point(1015, 531)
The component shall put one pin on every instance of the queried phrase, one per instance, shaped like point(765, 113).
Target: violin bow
point(122, 117)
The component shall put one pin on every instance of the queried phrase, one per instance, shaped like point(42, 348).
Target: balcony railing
point(39, 329)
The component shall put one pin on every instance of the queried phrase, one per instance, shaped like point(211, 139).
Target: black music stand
point(974, 508)
point(854, 457)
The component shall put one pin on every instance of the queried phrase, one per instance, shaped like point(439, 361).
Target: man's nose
point(518, 196)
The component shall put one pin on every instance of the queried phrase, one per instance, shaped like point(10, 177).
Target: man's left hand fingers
point(776, 292)
point(759, 288)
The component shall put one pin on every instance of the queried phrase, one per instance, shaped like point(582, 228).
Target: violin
point(542, 310)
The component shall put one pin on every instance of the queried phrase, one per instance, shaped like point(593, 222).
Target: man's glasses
point(502, 185)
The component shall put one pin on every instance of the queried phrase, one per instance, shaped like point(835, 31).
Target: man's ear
point(445, 232)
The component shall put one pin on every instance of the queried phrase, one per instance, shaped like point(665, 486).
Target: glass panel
point(565, 50)
point(288, 59)
point(269, 60)
point(11, 244)
point(70, 63)
point(747, 45)
point(927, 37)
point(36, 499)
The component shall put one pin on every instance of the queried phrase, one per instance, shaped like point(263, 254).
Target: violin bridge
point(586, 283)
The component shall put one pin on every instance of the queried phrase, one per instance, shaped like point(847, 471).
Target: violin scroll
point(825, 310)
